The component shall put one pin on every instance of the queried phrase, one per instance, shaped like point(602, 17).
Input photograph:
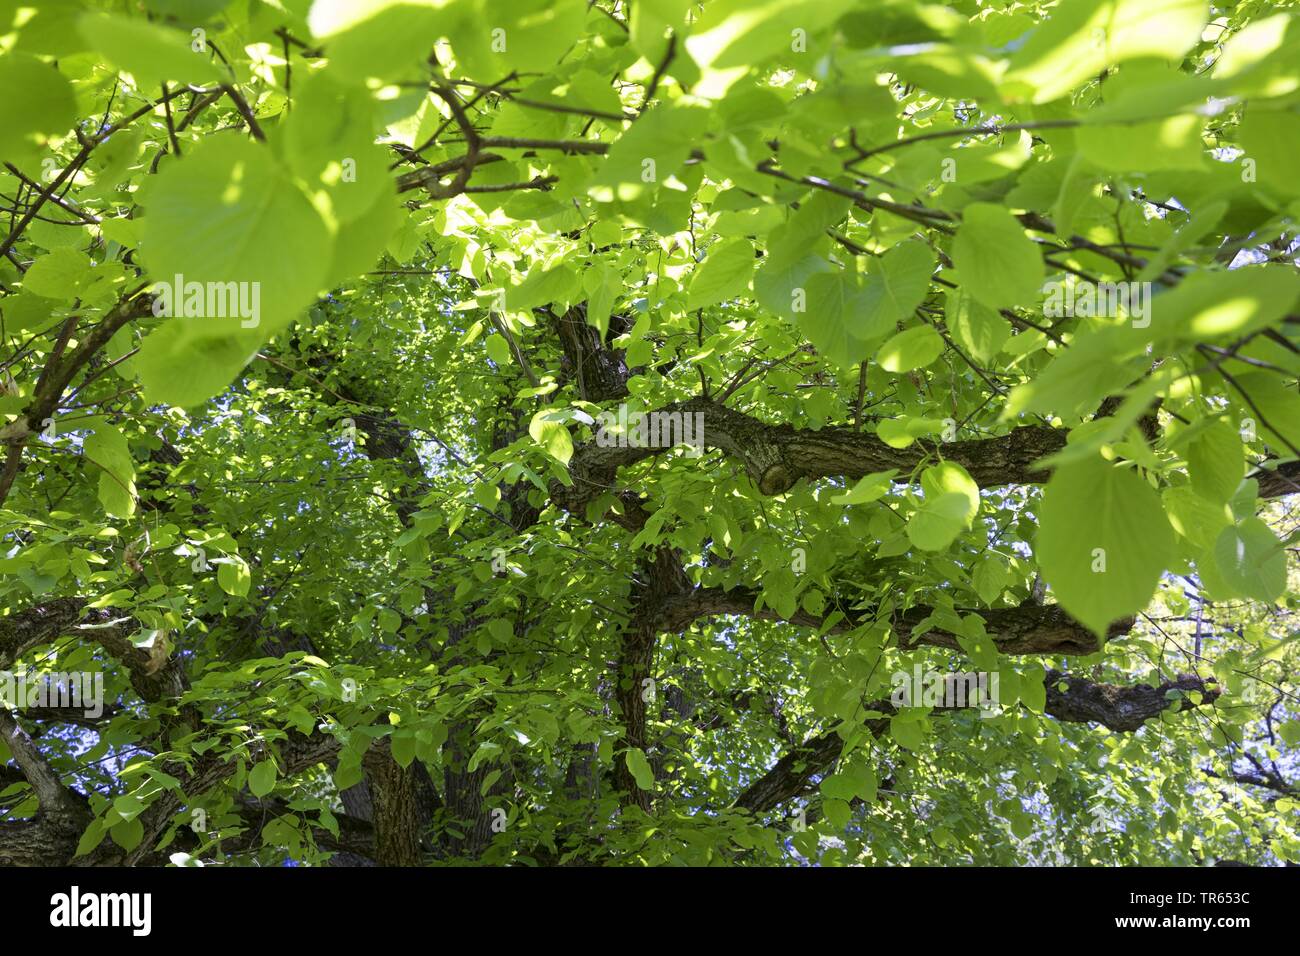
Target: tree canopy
point(551, 432)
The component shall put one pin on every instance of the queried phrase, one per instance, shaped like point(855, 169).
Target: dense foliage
point(973, 331)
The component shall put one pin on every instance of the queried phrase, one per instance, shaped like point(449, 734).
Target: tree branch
point(1027, 629)
point(1122, 709)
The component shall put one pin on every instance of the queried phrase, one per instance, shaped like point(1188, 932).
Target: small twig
point(660, 70)
point(245, 111)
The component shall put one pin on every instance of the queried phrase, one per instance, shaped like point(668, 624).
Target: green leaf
point(498, 350)
point(128, 807)
point(196, 11)
point(838, 787)
point(1174, 142)
point(1272, 408)
point(1081, 38)
point(374, 38)
point(724, 274)
point(1194, 517)
point(542, 286)
point(1103, 541)
point(233, 576)
point(869, 488)
point(991, 577)
point(1215, 461)
point(844, 315)
point(27, 311)
point(996, 262)
point(639, 767)
point(150, 52)
point(911, 349)
point(951, 503)
point(39, 103)
point(832, 299)
point(60, 275)
point(902, 283)
point(178, 368)
point(330, 142)
point(1251, 560)
point(1225, 305)
point(974, 327)
point(92, 837)
point(1271, 139)
point(601, 283)
point(533, 36)
point(937, 522)
point(106, 446)
point(261, 779)
point(127, 833)
point(908, 731)
point(552, 435)
point(1033, 690)
point(225, 213)
point(838, 813)
point(347, 774)
point(1094, 366)
point(734, 33)
point(650, 151)
point(403, 747)
point(904, 431)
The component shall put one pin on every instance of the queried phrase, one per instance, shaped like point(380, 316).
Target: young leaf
point(261, 779)
point(639, 768)
point(1103, 541)
point(996, 262)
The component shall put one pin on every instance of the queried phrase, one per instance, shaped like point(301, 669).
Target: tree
point(646, 432)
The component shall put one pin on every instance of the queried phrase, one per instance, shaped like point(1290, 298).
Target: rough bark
point(1284, 479)
point(397, 811)
point(599, 373)
point(659, 579)
point(52, 835)
point(36, 625)
point(1121, 708)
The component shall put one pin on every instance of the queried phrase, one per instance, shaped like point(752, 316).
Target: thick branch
point(54, 379)
point(397, 814)
point(777, 456)
point(54, 798)
point(1025, 629)
point(36, 625)
point(1279, 481)
point(51, 836)
point(155, 674)
point(1119, 708)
